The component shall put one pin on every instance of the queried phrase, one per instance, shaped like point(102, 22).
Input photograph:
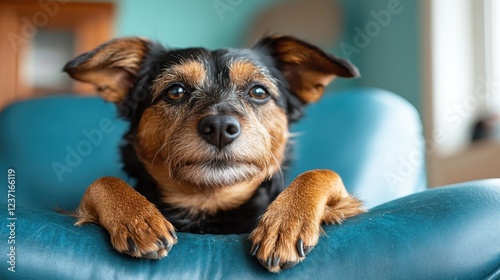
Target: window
point(462, 86)
point(492, 51)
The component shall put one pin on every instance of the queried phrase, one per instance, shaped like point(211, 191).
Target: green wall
point(391, 59)
point(189, 23)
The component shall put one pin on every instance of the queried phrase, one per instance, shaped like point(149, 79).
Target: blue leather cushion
point(445, 233)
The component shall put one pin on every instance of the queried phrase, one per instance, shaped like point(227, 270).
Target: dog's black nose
point(219, 130)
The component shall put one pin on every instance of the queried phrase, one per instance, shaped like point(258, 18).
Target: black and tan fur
point(192, 179)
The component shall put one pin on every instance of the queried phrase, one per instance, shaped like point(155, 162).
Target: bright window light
point(492, 50)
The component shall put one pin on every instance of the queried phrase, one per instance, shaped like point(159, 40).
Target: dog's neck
point(207, 200)
point(202, 199)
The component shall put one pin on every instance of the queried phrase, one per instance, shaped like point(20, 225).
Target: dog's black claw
point(276, 261)
point(255, 249)
point(308, 249)
point(164, 242)
point(131, 245)
point(160, 244)
point(174, 235)
point(169, 247)
point(267, 263)
point(288, 265)
point(300, 248)
point(151, 255)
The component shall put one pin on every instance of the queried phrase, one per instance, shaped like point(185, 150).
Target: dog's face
point(210, 118)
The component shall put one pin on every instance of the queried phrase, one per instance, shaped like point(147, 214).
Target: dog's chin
point(217, 174)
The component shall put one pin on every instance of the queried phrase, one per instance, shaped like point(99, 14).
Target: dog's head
point(209, 118)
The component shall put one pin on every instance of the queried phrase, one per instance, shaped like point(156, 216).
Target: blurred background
point(443, 56)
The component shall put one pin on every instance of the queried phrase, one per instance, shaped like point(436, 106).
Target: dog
point(208, 139)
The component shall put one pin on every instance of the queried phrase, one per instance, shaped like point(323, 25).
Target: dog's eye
point(175, 93)
point(258, 94)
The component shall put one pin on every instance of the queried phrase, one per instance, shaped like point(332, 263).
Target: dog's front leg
point(291, 225)
point(136, 226)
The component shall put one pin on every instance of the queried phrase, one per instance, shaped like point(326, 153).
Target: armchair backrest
point(371, 137)
point(59, 145)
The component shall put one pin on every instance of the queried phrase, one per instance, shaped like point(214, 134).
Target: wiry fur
point(199, 186)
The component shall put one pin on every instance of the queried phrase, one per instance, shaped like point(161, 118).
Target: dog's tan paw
point(283, 239)
point(146, 234)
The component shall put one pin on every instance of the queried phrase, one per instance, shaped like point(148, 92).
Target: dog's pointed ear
point(112, 67)
point(307, 68)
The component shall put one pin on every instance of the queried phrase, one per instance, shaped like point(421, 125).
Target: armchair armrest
point(443, 233)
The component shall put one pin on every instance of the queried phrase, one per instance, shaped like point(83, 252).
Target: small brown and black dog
point(207, 142)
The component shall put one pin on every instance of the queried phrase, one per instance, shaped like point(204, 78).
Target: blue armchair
point(57, 146)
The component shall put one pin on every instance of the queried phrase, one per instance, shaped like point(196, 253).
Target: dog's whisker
point(281, 153)
point(278, 164)
point(154, 157)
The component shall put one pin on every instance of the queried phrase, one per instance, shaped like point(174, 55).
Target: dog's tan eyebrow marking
point(191, 72)
point(243, 72)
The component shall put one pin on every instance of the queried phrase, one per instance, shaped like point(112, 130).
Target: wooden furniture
point(25, 70)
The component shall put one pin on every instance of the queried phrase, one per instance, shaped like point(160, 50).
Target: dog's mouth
point(216, 173)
